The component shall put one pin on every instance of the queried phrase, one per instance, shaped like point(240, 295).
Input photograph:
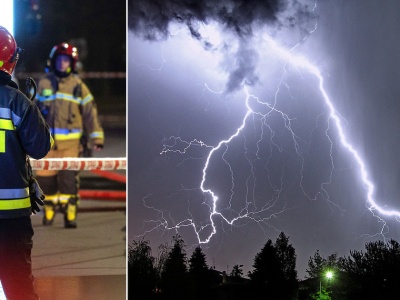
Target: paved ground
point(88, 262)
point(96, 247)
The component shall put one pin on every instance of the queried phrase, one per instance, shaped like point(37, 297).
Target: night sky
point(96, 28)
point(225, 100)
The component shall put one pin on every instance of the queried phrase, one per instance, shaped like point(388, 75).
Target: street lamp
point(329, 276)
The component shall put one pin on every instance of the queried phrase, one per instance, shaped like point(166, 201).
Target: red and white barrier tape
point(75, 163)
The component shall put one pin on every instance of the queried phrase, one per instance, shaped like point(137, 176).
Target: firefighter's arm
point(91, 121)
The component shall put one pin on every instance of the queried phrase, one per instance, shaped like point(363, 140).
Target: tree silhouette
point(275, 269)
point(163, 252)
point(287, 257)
point(287, 264)
point(201, 278)
point(318, 266)
point(142, 277)
point(375, 273)
point(197, 263)
point(237, 272)
point(265, 265)
point(173, 281)
point(372, 274)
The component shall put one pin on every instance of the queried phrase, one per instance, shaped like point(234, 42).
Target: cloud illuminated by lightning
point(298, 62)
point(256, 109)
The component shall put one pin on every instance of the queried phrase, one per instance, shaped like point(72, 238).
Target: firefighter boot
point(49, 186)
point(49, 212)
point(70, 212)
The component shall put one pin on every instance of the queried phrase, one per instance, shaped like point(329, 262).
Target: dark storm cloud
point(246, 63)
point(150, 20)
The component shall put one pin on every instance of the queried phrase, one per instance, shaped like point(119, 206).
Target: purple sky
point(286, 169)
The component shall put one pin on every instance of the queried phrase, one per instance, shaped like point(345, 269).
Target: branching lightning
point(224, 208)
point(300, 63)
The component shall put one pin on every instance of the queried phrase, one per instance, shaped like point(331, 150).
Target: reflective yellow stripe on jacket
point(63, 134)
point(5, 124)
point(14, 198)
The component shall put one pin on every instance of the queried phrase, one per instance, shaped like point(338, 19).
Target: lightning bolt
point(207, 228)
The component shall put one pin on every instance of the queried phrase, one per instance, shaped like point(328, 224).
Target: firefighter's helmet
point(65, 49)
point(9, 52)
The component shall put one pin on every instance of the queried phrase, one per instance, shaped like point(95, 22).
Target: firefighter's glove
point(36, 195)
point(98, 147)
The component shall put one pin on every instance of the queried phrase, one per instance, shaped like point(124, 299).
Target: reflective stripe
point(14, 193)
point(68, 97)
point(64, 131)
point(2, 141)
point(64, 198)
point(60, 96)
point(97, 134)
point(87, 99)
point(69, 136)
point(51, 142)
point(51, 198)
point(20, 196)
point(45, 98)
point(15, 204)
point(62, 134)
point(5, 113)
point(15, 119)
point(6, 124)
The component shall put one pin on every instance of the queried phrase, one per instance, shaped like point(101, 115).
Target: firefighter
point(23, 133)
point(70, 110)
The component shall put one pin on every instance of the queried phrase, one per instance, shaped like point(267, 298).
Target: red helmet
point(9, 52)
point(65, 49)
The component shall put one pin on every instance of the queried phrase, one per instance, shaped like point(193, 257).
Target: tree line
point(370, 274)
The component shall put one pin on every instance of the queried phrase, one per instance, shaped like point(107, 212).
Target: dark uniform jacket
point(23, 132)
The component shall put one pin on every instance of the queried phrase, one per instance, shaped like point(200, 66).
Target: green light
point(329, 274)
